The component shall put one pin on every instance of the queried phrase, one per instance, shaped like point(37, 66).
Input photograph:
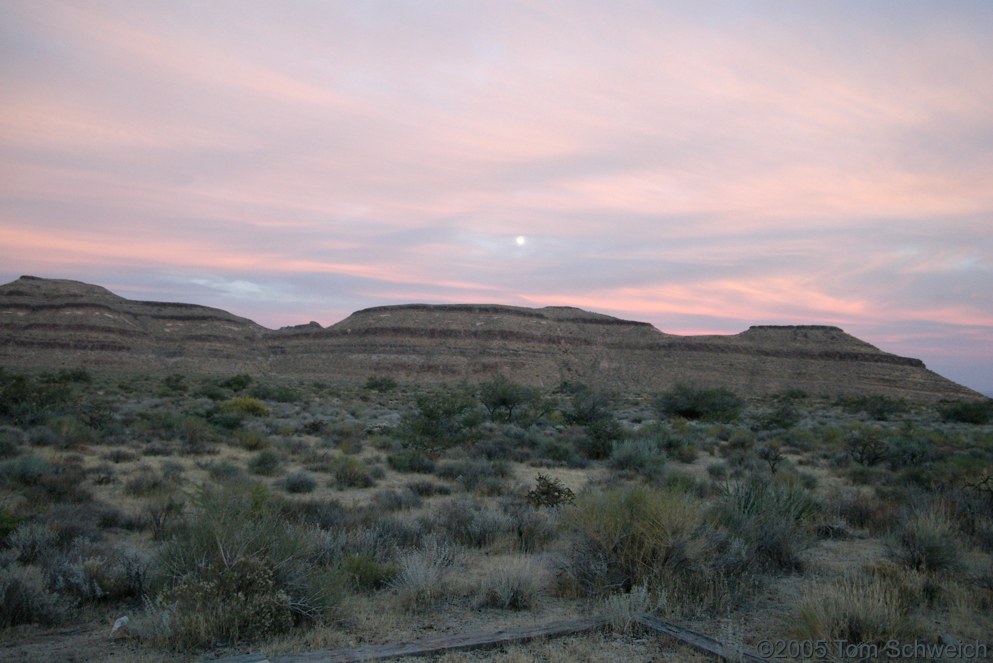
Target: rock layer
point(49, 324)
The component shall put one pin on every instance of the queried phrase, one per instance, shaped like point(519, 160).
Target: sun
point(521, 240)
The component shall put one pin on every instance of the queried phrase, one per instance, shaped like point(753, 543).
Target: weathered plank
point(699, 641)
point(441, 644)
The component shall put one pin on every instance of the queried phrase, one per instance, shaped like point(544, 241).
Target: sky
point(703, 166)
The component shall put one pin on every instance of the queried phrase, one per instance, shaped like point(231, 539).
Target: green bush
point(967, 412)
point(265, 462)
point(299, 482)
point(411, 460)
point(772, 518)
point(380, 383)
point(876, 406)
point(705, 404)
point(236, 382)
point(550, 492)
point(443, 418)
point(365, 573)
point(25, 598)
point(246, 406)
point(640, 456)
point(350, 472)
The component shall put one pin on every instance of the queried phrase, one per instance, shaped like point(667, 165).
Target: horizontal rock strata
point(49, 324)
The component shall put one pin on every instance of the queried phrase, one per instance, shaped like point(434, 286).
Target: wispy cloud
point(702, 166)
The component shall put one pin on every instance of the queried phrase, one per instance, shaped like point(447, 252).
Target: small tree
point(502, 398)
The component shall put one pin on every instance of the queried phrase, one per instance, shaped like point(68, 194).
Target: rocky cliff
point(48, 324)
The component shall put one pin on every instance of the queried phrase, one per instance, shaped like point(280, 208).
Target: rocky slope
point(48, 324)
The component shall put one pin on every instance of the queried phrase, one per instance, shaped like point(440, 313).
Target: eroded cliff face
point(47, 324)
point(50, 323)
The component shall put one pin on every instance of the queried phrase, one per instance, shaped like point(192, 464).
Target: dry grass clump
point(423, 576)
point(515, 585)
point(235, 570)
point(632, 536)
point(928, 541)
point(469, 522)
point(860, 608)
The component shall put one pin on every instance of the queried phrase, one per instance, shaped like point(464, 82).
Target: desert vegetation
point(234, 513)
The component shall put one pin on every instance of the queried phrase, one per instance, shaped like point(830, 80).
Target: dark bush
point(967, 412)
point(299, 482)
point(706, 404)
point(411, 460)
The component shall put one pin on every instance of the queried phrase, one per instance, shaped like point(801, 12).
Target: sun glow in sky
point(703, 166)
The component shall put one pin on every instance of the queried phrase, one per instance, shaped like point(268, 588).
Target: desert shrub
point(443, 418)
point(278, 393)
point(395, 500)
point(783, 417)
point(350, 472)
point(252, 440)
point(224, 470)
point(967, 412)
point(102, 574)
point(173, 384)
point(236, 383)
point(366, 573)
point(639, 456)
point(927, 541)
point(145, 481)
point(427, 488)
point(876, 406)
point(265, 463)
point(388, 537)
point(236, 570)
point(469, 523)
point(25, 400)
point(34, 543)
point(904, 451)
point(299, 482)
point(380, 383)
point(118, 456)
point(11, 439)
point(24, 470)
point(632, 536)
point(196, 434)
point(770, 517)
point(515, 585)
point(563, 450)
point(245, 406)
point(534, 529)
point(706, 404)
point(313, 513)
point(472, 473)
point(26, 599)
point(423, 575)
point(550, 492)
point(411, 460)
point(601, 436)
point(8, 522)
point(858, 609)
